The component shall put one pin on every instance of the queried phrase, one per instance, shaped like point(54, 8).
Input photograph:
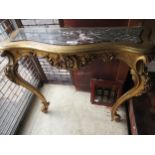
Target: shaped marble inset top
point(75, 36)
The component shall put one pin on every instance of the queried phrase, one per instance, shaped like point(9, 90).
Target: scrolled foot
point(116, 117)
point(44, 108)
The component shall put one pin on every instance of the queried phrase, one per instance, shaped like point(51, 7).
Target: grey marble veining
point(75, 36)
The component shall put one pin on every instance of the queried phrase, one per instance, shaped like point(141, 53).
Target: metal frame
point(37, 22)
point(14, 99)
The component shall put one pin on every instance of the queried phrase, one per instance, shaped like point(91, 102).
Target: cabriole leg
point(11, 72)
point(141, 85)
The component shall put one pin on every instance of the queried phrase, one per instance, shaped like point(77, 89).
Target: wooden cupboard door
point(115, 71)
point(99, 22)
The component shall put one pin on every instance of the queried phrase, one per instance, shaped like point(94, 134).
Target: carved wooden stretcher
point(74, 48)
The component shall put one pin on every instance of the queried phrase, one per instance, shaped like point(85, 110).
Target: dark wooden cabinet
point(99, 22)
point(104, 92)
point(141, 111)
point(111, 71)
point(142, 115)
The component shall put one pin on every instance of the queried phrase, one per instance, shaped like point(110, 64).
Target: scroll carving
point(71, 62)
point(107, 56)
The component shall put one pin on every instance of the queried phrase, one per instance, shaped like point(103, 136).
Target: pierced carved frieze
point(107, 56)
point(71, 62)
point(86, 59)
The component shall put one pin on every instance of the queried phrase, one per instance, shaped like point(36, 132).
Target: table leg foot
point(116, 117)
point(44, 107)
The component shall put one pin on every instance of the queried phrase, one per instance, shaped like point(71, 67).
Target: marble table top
point(76, 36)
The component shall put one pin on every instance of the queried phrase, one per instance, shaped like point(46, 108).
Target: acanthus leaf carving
point(70, 62)
point(107, 56)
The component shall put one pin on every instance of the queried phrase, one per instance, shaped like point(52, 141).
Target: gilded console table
point(73, 48)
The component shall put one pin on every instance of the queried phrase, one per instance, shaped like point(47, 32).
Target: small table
point(73, 48)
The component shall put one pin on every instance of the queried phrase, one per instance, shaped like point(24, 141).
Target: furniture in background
point(141, 110)
point(115, 71)
point(105, 92)
point(141, 116)
point(100, 22)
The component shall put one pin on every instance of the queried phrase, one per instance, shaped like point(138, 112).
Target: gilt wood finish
point(77, 56)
